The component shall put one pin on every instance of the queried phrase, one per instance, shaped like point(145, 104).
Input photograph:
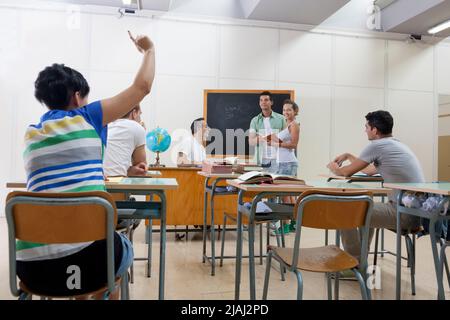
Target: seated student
point(191, 149)
point(64, 154)
point(125, 151)
point(394, 161)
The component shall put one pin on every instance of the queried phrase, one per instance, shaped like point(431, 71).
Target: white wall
point(444, 109)
point(337, 79)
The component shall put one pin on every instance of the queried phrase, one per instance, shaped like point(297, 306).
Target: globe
point(158, 140)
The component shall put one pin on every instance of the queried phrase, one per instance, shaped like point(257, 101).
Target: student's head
point(290, 109)
point(199, 128)
point(379, 124)
point(60, 87)
point(265, 101)
point(134, 114)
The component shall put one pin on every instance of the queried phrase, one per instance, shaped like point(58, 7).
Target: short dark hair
point(194, 127)
point(56, 84)
point(267, 93)
point(382, 120)
point(292, 103)
point(136, 107)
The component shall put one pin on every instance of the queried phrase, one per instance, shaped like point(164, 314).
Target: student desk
point(151, 210)
point(282, 212)
point(439, 188)
point(211, 189)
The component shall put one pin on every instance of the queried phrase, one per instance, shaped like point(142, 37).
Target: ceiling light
point(439, 27)
point(126, 2)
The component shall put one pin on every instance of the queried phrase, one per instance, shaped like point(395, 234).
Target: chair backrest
point(52, 218)
point(336, 210)
point(333, 210)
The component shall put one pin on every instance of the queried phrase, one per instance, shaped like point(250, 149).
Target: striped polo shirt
point(63, 153)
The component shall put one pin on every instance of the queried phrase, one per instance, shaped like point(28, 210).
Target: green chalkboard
point(233, 110)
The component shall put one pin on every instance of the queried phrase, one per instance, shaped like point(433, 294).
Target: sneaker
point(278, 231)
point(292, 226)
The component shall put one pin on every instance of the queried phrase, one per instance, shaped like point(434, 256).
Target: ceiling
point(396, 16)
point(415, 16)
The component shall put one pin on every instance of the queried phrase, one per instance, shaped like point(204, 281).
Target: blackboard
point(234, 109)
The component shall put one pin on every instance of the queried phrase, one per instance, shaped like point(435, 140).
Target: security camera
point(126, 11)
point(415, 37)
point(412, 38)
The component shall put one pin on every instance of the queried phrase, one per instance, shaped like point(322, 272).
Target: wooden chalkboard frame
point(206, 92)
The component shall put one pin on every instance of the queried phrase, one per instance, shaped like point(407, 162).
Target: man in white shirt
point(125, 150)
point(191, 149)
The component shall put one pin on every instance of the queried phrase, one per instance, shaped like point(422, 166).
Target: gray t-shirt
point(394, 161)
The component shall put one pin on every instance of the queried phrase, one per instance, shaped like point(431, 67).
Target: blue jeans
point(127, 255)
point(287, 168)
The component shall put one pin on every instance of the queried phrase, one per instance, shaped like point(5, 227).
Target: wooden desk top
point(219, 175)
point(322, 185)
point(178, 168)
point(442, 188)
point(125, 183)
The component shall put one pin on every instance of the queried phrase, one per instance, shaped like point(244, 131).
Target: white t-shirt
point(193, 150)
point(124, 136)
point(269, 152)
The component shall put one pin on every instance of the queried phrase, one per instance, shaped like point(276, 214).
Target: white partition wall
point(337, 78)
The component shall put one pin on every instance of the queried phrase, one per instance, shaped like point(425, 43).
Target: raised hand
point(143, 43)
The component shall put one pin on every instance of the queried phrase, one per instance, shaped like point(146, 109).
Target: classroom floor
point(188, 278)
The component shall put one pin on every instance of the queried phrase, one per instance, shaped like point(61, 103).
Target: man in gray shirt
point(394, 161)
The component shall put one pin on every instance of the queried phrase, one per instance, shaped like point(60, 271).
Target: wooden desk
point(185, 206)
point(268, 190)
point(442, 188)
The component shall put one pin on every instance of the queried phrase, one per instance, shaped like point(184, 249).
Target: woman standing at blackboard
point(287, 141)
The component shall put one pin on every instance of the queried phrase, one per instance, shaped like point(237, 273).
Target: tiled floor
point(188, 278)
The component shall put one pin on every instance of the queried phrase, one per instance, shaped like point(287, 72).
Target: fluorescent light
point(126, 2)
point(439, 27)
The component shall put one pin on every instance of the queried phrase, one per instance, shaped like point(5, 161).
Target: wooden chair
point(55, 218)
point(333, 211)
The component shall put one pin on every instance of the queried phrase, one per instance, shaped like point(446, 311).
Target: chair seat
point(321, 259)
point(258, 219)
point(409, 231)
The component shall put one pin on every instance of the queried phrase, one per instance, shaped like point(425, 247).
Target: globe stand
point(157, 163)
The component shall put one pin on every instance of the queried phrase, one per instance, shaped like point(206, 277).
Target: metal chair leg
point(444, 259)
point(281, 265)
point(299, 285)
point(260, 244)
point(410, 249)
point(336, 286)
point(362, 284)
point(222, 246)
point(329, 288)
point(149, 248)
point(131, 233)
point(267, 275)
point(375, 255)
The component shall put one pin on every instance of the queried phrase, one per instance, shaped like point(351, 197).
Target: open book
point(265, 177)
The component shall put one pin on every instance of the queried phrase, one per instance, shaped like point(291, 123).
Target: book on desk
point(254, 177)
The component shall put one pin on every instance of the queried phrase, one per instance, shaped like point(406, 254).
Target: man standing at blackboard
point(261, 127)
